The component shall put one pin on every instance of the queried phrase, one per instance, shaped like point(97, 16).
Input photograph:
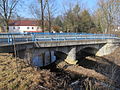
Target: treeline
point(104, 19)
point(74, 18)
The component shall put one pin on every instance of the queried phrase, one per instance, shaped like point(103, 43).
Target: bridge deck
point(11, 39)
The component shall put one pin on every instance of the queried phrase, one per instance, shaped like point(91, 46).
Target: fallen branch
point(79, 70)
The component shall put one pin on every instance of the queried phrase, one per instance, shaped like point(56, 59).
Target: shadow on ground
point(102, 66)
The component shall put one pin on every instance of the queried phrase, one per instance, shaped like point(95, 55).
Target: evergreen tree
point(86, 22)
point(72, 18)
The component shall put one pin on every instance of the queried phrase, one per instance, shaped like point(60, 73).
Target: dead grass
point(23, 77)
point(10, 76)
point(114, 57)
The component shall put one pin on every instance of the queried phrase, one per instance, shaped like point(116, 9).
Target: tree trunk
point(7, 27)
point(49, 17)
point(42, 15)
point(7, 30)
point(49, 27)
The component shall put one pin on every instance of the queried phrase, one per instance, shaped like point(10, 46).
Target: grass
point(13, 77)
point(20, 76)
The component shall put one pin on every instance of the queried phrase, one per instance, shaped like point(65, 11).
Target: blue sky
point(25, 11)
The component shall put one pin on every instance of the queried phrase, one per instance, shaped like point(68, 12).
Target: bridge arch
point(86, 51)
point(60, 55)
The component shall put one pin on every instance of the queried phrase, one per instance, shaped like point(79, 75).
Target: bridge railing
point(11, 38)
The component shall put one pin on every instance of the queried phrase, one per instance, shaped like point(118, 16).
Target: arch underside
point(87, 51)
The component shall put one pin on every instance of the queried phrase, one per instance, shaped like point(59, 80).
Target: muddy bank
point(15, 74)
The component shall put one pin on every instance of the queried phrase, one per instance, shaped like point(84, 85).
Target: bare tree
point(98, 18)
point(35, 11)
point(49, 17)
point(50, 11)
point(109, 10)
point(7, 8)
point(43, 4)
point(44, 12)
point(69, 20)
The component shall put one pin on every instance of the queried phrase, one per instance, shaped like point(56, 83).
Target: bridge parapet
point(10, 39)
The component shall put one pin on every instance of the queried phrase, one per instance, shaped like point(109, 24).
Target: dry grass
point(14, 75)
point(22, 77)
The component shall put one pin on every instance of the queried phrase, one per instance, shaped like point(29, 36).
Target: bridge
point(45, 47)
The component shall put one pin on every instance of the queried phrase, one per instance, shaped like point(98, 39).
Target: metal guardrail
point(55, 34)
point(11, 38)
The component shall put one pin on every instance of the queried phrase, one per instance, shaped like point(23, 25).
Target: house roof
point(24, 23)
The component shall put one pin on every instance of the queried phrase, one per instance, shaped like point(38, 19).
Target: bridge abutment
point(108, 48)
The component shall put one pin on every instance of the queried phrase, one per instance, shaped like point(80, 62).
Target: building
point(21, 26)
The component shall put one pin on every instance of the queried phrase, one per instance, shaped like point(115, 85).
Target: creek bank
point(92, 73)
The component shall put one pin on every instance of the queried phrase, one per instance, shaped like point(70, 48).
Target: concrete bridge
point(44, 49)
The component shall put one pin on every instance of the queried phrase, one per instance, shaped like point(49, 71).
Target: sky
point(25, 10)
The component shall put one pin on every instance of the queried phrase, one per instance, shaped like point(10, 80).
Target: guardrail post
point(10, 39)
point(51, 38)
point(64, 38)
point(33, 37)
point(76, 37)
